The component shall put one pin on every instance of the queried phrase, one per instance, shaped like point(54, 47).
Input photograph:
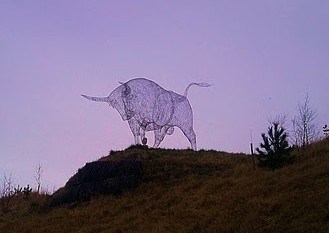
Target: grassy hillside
point(204, 191)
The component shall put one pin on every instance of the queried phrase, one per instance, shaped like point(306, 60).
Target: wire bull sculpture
point(149, 107)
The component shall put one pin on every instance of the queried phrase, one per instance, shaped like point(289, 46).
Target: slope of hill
point(203, 191)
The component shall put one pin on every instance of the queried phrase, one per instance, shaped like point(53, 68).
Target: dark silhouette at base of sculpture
point(144, 141)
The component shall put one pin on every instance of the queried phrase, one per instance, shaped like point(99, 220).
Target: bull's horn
point(101, 99)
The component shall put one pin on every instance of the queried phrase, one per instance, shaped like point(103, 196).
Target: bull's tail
point(101, 99)
point(197, 84)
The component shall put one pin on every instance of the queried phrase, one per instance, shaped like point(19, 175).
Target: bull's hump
point(141, 81)
point(144, 84)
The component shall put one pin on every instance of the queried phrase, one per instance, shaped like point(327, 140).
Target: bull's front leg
point(142, 133)
point(135, 129)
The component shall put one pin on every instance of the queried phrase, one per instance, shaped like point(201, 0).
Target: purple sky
point(262, 57)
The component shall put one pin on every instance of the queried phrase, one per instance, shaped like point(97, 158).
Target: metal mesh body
point(149, 107)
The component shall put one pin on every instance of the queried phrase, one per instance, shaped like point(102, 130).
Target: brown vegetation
point(188, 191)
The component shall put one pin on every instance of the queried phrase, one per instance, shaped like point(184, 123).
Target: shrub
point(27, 191)
point(275, 150)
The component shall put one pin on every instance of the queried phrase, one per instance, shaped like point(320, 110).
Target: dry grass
point(205, 191)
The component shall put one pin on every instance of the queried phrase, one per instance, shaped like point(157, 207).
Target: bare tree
point(6, 192)
point(304, 125)
point(38, 176)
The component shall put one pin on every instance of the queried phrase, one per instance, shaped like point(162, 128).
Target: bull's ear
point(127, 91)
point(163, 109)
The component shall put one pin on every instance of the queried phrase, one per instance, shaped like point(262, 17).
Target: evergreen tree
point(275, 150)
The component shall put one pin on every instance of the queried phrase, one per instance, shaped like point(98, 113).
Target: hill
point(195, 191)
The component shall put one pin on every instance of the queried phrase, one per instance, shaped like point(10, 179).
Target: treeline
point(275, 151)
point(10, 191)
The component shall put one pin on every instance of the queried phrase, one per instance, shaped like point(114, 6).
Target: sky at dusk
point(261, 58)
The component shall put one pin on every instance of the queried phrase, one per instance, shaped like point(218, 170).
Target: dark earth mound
point(100, 178)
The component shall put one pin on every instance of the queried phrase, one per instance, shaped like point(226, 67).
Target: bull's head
point(118, 100)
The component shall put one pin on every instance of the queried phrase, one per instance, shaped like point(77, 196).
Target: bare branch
point(38, 176)
point(280, 119)
point(6, 192)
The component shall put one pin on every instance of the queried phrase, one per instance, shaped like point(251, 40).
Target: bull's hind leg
point(159, 135)
point(191, 136)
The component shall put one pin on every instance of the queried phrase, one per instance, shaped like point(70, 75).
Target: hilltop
point(195, 191)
